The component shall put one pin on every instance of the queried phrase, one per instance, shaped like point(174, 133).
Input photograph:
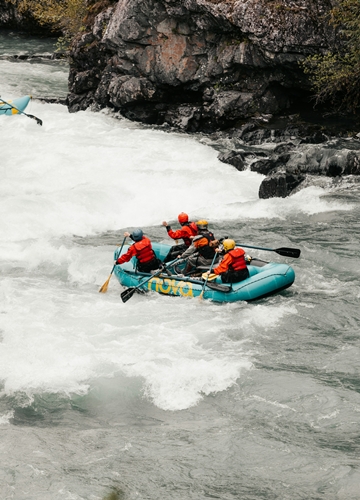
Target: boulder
point(279, 185)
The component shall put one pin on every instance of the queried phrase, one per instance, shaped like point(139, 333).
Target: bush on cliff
point(335, 76)
point(69, 17)
point(65, 16)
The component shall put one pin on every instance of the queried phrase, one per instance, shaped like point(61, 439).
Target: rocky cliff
point(198, 64)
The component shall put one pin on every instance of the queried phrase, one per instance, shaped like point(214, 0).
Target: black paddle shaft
point(127, 294)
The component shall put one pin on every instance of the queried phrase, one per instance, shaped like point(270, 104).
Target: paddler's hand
point(126, 234)
point(164, 223)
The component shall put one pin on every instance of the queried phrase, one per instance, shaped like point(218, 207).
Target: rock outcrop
point(289, 157)
point(198, 65)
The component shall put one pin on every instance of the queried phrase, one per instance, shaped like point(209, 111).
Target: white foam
point(5, 419)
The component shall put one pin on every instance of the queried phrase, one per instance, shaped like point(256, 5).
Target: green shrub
point(335, 75)
point(60, 15)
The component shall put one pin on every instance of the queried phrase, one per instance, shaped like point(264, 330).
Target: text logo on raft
point(171, 287)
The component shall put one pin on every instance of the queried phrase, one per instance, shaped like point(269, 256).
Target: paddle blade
point(209, 277)
point(289, 252)
point(38, 121)
point(219, 287)
point(125, 296)
point(104, 288)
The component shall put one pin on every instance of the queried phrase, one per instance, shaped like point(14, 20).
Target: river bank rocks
point(288, 157)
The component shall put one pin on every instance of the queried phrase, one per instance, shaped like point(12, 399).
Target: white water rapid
point(164, 397)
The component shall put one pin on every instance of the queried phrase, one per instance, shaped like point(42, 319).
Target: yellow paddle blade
point(104, 288)
point(210, 278)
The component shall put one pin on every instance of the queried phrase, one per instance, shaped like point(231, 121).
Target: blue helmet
point(137, 234)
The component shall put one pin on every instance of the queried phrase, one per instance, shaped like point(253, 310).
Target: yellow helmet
point(202, 224)
point(228, 245)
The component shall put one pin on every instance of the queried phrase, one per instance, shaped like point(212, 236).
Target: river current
point(159, 397)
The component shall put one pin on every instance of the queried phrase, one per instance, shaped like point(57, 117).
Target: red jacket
point(142, 250)
point(233, 260)
point(185, 232)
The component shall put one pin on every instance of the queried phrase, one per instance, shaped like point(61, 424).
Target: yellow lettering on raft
point(156, 282)
point(165, 289)
point(184, 284)
point(170, 286)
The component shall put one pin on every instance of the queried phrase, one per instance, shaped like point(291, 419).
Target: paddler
point(233, 267)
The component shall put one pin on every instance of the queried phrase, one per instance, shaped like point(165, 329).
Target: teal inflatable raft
point(15, 106)
point(265, 278)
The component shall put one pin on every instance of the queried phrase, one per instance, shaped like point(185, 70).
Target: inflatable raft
point(265, 278)
point(15, 106)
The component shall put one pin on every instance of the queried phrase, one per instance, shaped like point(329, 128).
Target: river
point(159, 397)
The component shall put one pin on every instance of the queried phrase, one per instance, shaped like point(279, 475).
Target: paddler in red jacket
point(232, 267)
point(187, 231)
point(142, 250)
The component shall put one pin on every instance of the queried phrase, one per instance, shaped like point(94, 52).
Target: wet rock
point(279, 185)
point(233, 158)
point(286, 164)
point(317, 137)
point(270, 164)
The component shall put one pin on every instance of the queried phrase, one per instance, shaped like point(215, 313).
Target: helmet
point(202, 224)
point(183, 217)
point(228, 245)
point(137, 234)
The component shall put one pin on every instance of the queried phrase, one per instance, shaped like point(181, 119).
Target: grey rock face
point(289, 164)
point(197, 64)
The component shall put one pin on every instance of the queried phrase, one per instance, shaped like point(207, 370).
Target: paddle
point(38, 121)
point(129, 292)
point(286, 252)
point(207, 277)
point(104, 288)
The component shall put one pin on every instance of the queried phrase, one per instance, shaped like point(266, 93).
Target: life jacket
point(237, 259)
point(144, 251)
point(206, 250)
point(192, 230)
point(208, 234)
